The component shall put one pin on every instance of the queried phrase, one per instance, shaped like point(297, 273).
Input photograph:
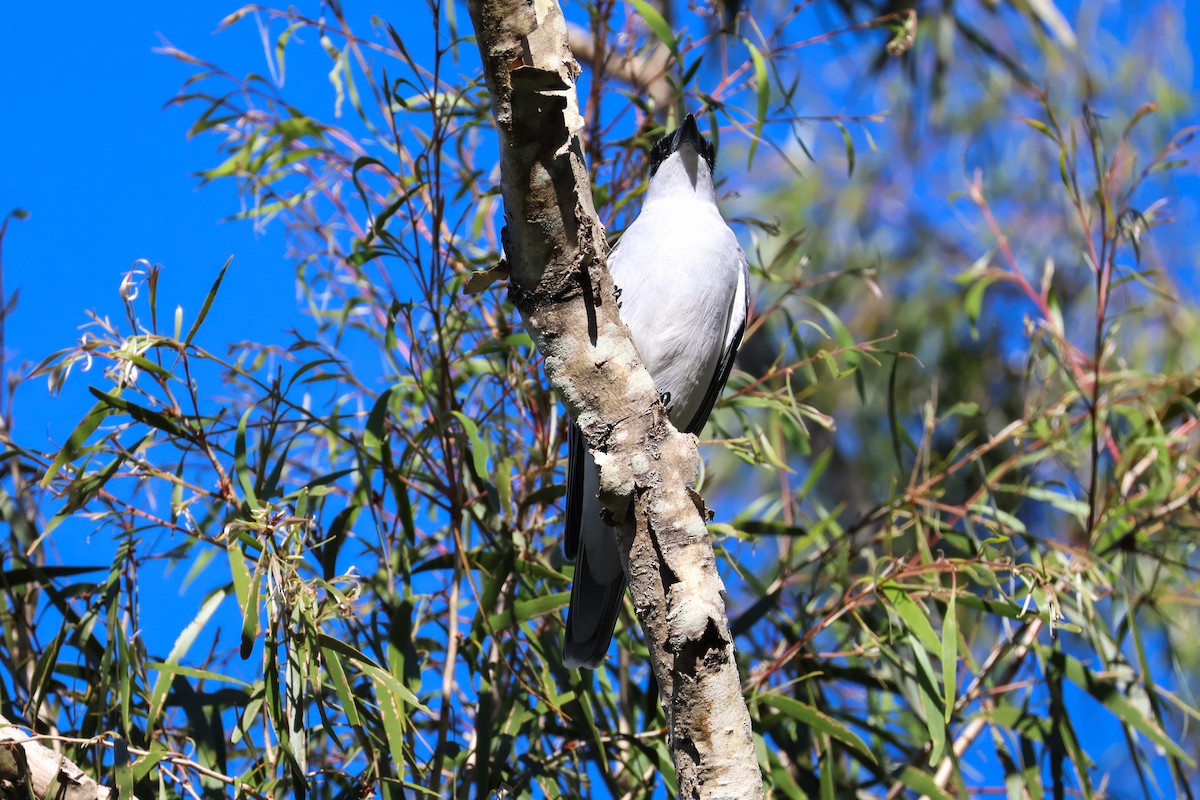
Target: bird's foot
point(705, 512)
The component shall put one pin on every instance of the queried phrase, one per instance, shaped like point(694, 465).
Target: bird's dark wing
point(720, 376)
point(725, 365)
point(576, 450)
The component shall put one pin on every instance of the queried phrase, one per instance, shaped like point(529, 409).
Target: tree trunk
point(555, 248)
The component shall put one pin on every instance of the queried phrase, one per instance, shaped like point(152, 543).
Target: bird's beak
point(688, 132)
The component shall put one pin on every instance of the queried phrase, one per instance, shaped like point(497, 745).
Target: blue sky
point(107, 176)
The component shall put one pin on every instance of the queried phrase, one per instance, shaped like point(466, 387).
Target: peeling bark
point(555, 246)
point(26, 765)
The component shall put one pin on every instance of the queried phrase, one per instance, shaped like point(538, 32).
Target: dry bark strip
point(555, 248)
point(26, 764)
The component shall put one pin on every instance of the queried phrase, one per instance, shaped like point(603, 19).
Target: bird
point(682, 282)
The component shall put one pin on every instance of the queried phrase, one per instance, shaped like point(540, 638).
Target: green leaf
point(345, 650)
point(973, 304)
point(762, 90)
point(41, 575)
point(922, 783)
point(841, 334)
point(1012, 611)
point(781, 781)
point(208, 301)
point(182, 643)
point(85, 487)
point(690, 72)
point(1160, 166)
point(240, 468)
point(140, 414)
point(1041, 128)
point(360, 257)
point(247, 600)
point(523, 610)
point(74, 446)
point(192, 672)
point(43, 672)
point(915, 618)
point(1112, 697)
point(149, 366)
point(1018, 720)
point(658, 24)
point(388, 685)
point(927, 686)
point(392, 714)
point(281, 46)
point(123, 772)
point(142, 767)
point(818, 721)
point(479, 455)
point(373, 434)
point(950, 656)
point(188, 635)
point(827, 769)
point(341, 685)
point(899, 434)
point(849, 141)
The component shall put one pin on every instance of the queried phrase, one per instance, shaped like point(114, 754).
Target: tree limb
point(26, 763)
point(555, 246)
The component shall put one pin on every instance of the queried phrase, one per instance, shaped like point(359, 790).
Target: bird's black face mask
point(685, 133)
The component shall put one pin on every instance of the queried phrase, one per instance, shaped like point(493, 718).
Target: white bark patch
point(615, 478)
point(688, 615)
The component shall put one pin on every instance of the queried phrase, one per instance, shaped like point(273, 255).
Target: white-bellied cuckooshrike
point(682, 280)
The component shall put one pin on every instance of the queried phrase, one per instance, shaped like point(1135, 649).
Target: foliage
point(960, 449)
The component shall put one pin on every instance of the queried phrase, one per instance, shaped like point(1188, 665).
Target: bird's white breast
point(678, 267)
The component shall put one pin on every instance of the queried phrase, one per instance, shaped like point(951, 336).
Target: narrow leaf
point(762, 90)
point(819, 721)
point(950, 656)
point(184, 641)
point(915, 618)
point(208, 301)
point(1108, 694)
point(240, 467)
point(86, 427)
point(658, 24)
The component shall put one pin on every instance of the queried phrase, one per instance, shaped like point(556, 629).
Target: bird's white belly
point(677, 292)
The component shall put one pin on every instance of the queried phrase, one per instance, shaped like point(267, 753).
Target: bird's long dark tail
point(599, 584)
point(593, 612)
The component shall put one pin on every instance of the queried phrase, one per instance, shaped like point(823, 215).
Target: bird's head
point(682, 161)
